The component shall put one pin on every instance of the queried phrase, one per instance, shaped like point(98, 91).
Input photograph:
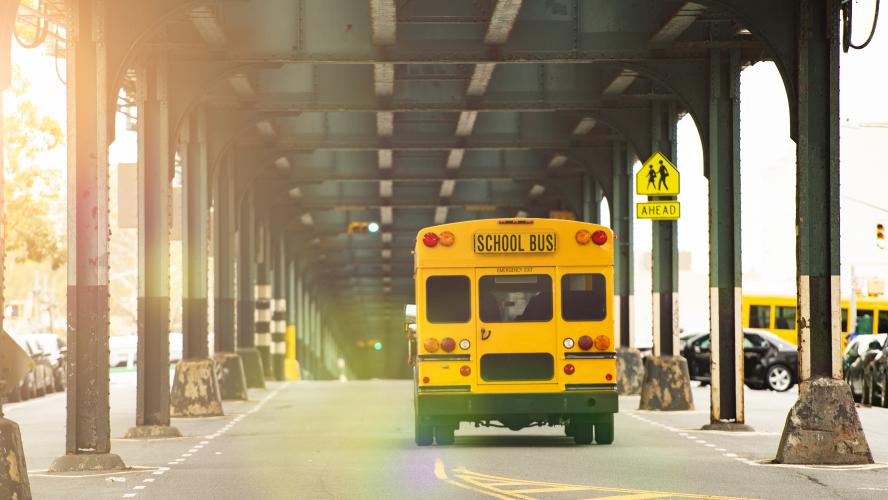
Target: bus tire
point(423, 435)
point(444, 435)
point(583, 432)
point(568, 430)
point(604, 433)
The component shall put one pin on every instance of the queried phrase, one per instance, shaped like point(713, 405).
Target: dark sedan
point(865, 370)
point(769, 361)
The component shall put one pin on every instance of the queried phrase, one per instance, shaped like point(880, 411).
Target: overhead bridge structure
point(293, 118)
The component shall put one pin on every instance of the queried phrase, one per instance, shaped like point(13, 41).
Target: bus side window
point(759, 316)
point(864, 321)
point(448, 299)
point(785, 318)
point(844, 319)
point(883, 322)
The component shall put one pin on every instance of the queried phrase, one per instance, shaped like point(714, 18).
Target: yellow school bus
point(514, 328)
point(777, 314)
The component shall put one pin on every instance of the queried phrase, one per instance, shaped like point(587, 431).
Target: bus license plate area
point(507, 243)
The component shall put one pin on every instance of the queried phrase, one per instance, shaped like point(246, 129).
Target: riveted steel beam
point(621, 209)
point(224, 240)
point(195, 217)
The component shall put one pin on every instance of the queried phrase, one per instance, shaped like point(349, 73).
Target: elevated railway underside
point(292, 119)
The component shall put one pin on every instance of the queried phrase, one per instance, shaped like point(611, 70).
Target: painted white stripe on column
point(281, 305)
point(263, 339)
point(836, 312)
point(263, 291)
point(714, 357)
point(655, 317)
point(278, 326)
point(675, 336)
point(738, 351)
point(279, 348)
point(631, 321)
point(804, 327)
point(262, 315)
point(617, 319)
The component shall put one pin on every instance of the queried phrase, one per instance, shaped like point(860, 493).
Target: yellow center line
point(637, 496)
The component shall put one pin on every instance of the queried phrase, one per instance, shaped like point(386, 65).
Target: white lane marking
point(204, 442)
point(148, 480)
point(185, 455)
point(129, 495)
point(731, 455)
point(139, 487)
point(218, 453)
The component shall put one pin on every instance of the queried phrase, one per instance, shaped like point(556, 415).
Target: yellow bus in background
point(777, 314)
point(514, 328)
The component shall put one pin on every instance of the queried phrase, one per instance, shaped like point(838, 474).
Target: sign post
point(658, 177)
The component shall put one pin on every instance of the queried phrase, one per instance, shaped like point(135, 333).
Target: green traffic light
point(378, 346)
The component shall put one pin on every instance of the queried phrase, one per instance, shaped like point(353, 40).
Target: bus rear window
point(583, 297)
point(760, 316)
point(448, 299)
point(515, 298)
point(785, 318)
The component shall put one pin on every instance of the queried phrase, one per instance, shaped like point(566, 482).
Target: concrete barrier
point(253, 371)
point(195, 391)
point(630, 371)
point(667, 385)
point(823, 428)
point(152, 432)
point(230, 373)
point(87, 462)
point(13, 470)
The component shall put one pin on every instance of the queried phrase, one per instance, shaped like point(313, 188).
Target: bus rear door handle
point(485, 333)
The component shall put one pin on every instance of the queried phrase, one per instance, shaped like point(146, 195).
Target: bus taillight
point(448, 344)
point(446, 238)
point(430, 239)
point(602, 342)
point(431, 345)
point(465, 371)
point(569, 369)
point(585, 342)
point(599, 237)
point(583, 237)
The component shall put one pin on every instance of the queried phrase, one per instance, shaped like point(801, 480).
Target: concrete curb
point(152, 432)
point(86, 462)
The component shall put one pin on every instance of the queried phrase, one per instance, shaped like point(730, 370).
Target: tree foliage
point(35, 216)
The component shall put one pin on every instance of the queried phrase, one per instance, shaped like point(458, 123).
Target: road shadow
point(516, 441)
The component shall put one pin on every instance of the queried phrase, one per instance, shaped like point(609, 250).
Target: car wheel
point(779, 378)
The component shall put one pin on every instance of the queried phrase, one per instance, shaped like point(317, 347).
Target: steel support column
point(592, 194)
point(726, 330)
point(263, 297)
point(665, 244)
point(88, 430)
point(224, 214)
point(153, 303)
point(621, 211)
point(246, 293)
point(301, 319)
point(195, 218)
point(279, 316)
point(823, 426)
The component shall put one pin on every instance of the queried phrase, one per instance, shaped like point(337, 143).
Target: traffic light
point(880, 236)
point(362, 227)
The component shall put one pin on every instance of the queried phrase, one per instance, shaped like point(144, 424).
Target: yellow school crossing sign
point(658, 177)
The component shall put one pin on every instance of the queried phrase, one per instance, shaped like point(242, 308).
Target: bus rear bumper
point(492, 406)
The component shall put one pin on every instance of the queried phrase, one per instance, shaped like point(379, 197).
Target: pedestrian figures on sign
point(664, 173)
point(652, 177)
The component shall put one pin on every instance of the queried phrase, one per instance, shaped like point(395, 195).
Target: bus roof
point(538, 233)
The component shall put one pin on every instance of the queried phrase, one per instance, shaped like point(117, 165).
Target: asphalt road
point(355, 440)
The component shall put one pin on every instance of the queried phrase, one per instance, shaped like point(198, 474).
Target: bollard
point(231, 376)
point(667, 385)
point(195, 391)
point(291, 365)
point(13, 470)
point(630, 371)
point(253, 370)
point(820, 430)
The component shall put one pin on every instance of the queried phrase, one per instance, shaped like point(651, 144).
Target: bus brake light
point(585, 342)
point(448, 344)
point(569, 369)
point(599, 237)
point(430, 239)
point(465, 371)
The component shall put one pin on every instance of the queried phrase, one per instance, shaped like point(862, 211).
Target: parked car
point(863, 371)
point(769, 361)
point(34, 383)
point(21, 365)
point(54, 351)
point(122, 350)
